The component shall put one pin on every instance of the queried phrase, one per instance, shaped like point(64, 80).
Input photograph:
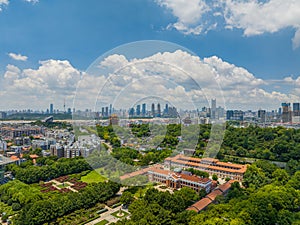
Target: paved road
point(108, 145)
point(107, 216)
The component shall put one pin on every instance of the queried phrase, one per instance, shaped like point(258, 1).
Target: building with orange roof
point(224, 188)
point(34, 157)
point(211, 197)
point(209, 165)
point(139, 172)
point(200, 205)
point(179, 179)
point(214, 194)
point(14, 158)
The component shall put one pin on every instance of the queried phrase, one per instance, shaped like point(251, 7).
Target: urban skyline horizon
point(60, 110)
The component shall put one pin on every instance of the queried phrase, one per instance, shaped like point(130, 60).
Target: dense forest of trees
point(38, 208)
point(278, 143)
point(48, 169)
point(133, 157)
point(162, 208)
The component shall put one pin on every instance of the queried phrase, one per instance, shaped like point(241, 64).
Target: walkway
point(107, 216)
point(140, 172)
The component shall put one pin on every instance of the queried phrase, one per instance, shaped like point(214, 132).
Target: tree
point(280, 176)
point(126, 198)
point(235, 191)
point(295, 181)
point(202, 193)
point(188, 195)
point(16, 206)
point(255, 177)
point(215, 177)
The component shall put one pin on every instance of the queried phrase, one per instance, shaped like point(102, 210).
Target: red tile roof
point(14, 158)
point(34, 156)
point(139, 172)
point(225, 187)
point(212, 196)
point(200, 205)
point(203, 203)
point(182, 176)
point(216, 164)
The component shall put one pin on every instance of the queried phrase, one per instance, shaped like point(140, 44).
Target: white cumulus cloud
point(32, 1)
point(52, 81)
point(184, 80)
point(2, 3)
point(189, 14)
point(17, 57)
point(254, 17)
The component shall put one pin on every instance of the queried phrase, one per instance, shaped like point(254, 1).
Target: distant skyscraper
point(158, 110)
point(172, 112)
point(153, 110)
point(286, 112)
point(144, 109)
point(102, 112)
point(110, 109)
point(213, 109)
point(167, 109)
point(51, 108)
point(296, 109)
point(138, 110)
point(106, 111)
point(220, 112)
point(262, 115)
point(229, 114)
point(235, 115)
point(131, 112)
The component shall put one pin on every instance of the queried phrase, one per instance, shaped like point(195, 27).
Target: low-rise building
point(211, 197)
point(4, 161)
point(11, 132)
point(178, 179)
point(57, 150)
point(3, 145)
point(210, 165)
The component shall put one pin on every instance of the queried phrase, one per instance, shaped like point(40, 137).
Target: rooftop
point(225, 187)
point(181, 176)
point(212, 196)
point(203, 203)
point(208, 163)
point(200, 205)
point(4, 160)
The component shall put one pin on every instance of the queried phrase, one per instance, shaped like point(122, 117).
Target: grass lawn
point(103, 222)
point(109, 174)
point(115, 214)
point(93, 177)
point(63, 185)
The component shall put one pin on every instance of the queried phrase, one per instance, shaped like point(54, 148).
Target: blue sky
point(79, 31)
